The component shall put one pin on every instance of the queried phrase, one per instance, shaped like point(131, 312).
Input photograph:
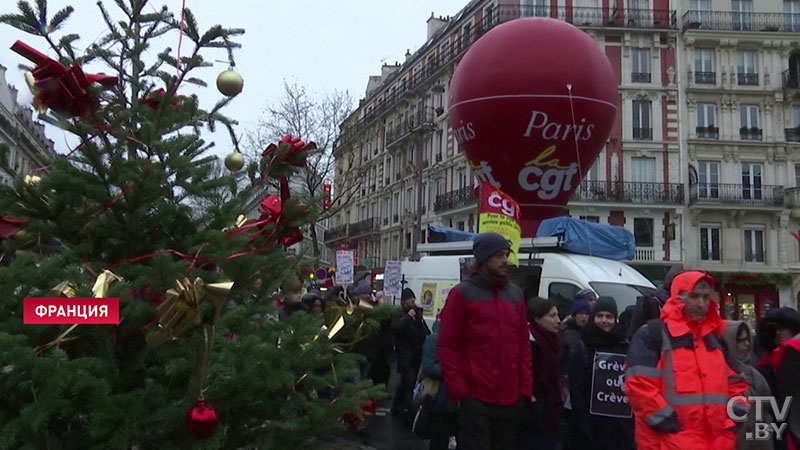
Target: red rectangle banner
point(68, 311)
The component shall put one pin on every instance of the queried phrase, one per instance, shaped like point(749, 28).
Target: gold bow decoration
point(239, 223)
point(103, 284)
point(179, 313)
point(65, 289)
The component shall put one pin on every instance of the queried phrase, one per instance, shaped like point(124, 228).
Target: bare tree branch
point(298, 113)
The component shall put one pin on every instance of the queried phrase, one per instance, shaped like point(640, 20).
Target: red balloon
point(532, 103)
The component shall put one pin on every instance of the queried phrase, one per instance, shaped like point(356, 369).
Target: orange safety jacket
point(680, 377)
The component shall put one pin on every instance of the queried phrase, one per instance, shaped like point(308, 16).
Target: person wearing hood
point(779, 337)
point(739, 339)
point(484, 349)
point(663, 291)
point(409, 331)
point(680, 377)
point(572, 327)
point(443, 410)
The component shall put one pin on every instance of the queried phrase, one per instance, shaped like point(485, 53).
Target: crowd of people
point(667, 373)
point(504, 372)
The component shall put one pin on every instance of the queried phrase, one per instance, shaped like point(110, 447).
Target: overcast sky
point(325, 45)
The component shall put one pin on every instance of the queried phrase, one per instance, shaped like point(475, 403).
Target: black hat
point(486, 245)
point(605, 304)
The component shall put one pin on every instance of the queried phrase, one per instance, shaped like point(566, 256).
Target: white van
point(544, 271)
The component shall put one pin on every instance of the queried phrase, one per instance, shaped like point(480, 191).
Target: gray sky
point(322, 44)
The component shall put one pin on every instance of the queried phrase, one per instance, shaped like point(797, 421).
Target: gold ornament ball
point(234, 161)
point(230, 83)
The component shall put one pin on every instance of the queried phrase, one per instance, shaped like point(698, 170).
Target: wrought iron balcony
point(750, 134)
point(705, 77)
point(385, 99)
point(644, 134)
point(737, 194)
point(413, 123)
point(594, 16)
point(792, 134)
point(363, 227)
point(741, 21)
point(707, 132)
point(747, 79)
point(792, 196)
point(335, 233)
point(640, 77)
point(790, 80)
point(629, 192)
point(459, 198)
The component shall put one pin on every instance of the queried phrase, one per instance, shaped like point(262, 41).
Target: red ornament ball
point(202, 420)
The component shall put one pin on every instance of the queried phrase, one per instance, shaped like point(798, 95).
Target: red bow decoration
point(10, 227)
point(153, 99)
point(271, 210)
point(63, 90)
point(296, 146)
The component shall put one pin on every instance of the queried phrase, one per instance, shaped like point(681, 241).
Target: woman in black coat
point(601, 334)
point(539, 421)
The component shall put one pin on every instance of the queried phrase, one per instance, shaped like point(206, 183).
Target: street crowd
point(503, 372)
point(498, 371)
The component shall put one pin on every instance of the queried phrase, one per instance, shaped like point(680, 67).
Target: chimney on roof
point(408, 54)
point(435, 24)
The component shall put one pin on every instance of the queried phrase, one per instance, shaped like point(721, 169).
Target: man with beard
point(484, 350)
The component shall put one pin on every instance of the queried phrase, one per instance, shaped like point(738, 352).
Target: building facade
point(700, 164)
point(739, 123)
point(29, 148)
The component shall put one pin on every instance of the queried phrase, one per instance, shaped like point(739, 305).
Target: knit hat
point(363, 287)
point(585, 294)
point(581, 305)
point(407, 293)
point(605, 304)
point(486, 245)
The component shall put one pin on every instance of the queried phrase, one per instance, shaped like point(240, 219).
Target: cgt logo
point(507, 206)
point(770, 420)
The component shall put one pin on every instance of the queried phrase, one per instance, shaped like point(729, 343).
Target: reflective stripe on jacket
point(679, 391)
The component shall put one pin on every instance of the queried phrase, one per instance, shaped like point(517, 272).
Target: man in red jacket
point(484, 350)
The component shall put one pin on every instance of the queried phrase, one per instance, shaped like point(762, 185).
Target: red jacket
point(792, 442)
point(679, 392)
point(483, 345)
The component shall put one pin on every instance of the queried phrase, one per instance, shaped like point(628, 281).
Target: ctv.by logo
point(763, 431)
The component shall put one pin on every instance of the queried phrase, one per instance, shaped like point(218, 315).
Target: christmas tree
point(139, 210)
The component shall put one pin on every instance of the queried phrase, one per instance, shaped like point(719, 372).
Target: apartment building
point(700, 165)
point(29, 148)
point(740, 122)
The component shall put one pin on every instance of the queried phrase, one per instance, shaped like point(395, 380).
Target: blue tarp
point(447, 234)
point(589, 238)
